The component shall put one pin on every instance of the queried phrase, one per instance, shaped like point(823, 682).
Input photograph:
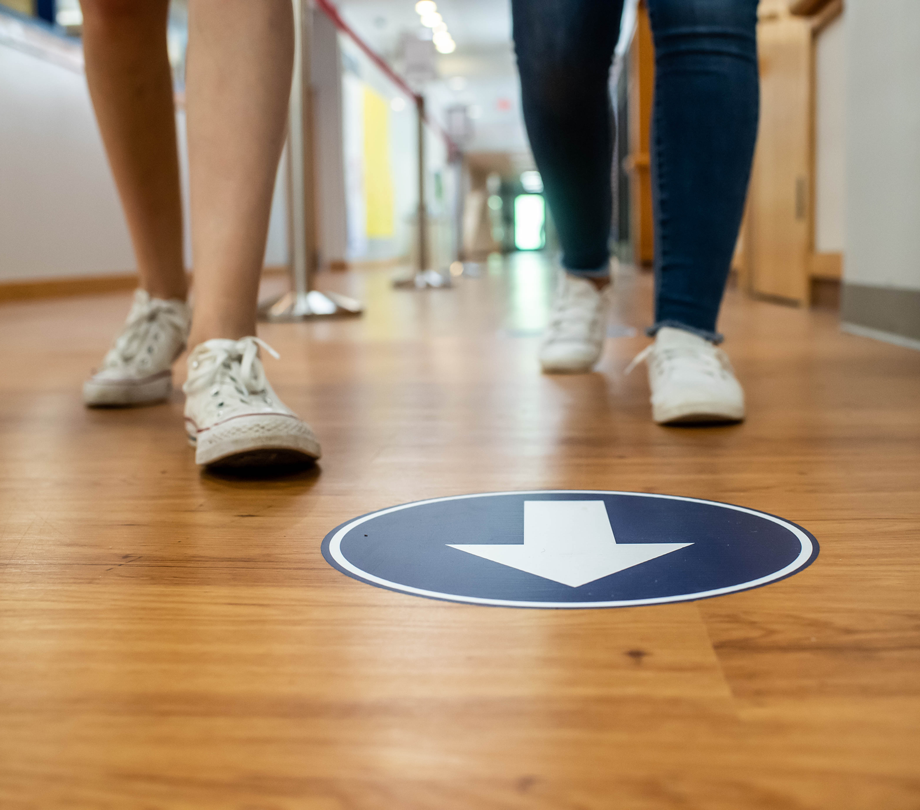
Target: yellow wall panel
point(378, 181)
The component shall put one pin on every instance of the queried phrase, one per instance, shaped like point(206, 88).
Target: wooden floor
point(173, 639)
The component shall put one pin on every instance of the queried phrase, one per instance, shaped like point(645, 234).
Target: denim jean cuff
point(712, 337)
point(599, 272)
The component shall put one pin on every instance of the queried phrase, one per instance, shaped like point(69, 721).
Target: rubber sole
point(698, 413)
point(586, 366)
point(254, 441)
point(125, 393)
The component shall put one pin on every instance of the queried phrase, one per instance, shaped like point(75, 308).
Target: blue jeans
point(704, 126)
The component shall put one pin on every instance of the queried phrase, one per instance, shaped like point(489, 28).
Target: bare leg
point(238, 84)
point(131, 86)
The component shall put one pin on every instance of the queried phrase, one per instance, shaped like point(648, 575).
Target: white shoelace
point(573, 312)
point(145, 321)
point(714, 363)
point(249, 381)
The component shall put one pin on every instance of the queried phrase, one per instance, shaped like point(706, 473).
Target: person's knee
point(730, 16)
point(559, 82)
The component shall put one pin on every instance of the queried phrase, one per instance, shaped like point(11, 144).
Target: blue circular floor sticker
point(569, 549)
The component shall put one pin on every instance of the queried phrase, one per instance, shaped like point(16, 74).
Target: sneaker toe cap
point(568, 357)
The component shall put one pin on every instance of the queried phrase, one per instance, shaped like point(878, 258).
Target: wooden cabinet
point(777, 257)
point(779, 224)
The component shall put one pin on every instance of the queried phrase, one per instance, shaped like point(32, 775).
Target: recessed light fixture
point(444, 43)
point(428, 12)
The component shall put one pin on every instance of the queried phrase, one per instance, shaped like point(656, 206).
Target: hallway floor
point(175, 639)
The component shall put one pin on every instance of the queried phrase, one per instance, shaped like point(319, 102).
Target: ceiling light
point(445, 46)
point(440, 28)
point(426, 7)
point(432, 19)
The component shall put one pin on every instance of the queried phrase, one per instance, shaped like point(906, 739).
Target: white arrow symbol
point(570, 542)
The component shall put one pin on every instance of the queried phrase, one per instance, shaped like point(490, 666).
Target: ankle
point(600, 284)
point(203, 333)
point(165, 292)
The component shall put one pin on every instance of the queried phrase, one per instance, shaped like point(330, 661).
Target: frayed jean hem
point(600, 272)
point(712, 337)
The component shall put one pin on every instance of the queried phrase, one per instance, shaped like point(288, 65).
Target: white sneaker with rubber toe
point(232, 414)
point(138, 368)
point(691, 380)
point(574, 337)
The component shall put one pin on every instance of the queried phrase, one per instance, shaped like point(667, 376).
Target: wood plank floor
point(172, 639)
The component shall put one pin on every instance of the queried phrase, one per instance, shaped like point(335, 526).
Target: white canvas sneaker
point(691, 380)
point(232, 415)
point(574, 337)
point(138, 368)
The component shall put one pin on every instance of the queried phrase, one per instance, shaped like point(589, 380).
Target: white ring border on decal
point(807, 550)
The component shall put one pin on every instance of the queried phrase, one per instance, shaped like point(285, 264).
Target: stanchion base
point(423, 280)
point(305, 306)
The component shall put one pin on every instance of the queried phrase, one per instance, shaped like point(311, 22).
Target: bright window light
point(69, 17)
point(529, 222)
point(426, 7)
point(532, 182)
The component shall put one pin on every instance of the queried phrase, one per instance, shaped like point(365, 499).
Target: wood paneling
point(173, 639)
point(638, 164)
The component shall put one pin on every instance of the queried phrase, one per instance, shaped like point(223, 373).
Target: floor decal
point(569, 549)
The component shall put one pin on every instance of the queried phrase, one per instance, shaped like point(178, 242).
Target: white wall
point(59, 211)
point(59, 214)
point(883, 143)
point(830, 125)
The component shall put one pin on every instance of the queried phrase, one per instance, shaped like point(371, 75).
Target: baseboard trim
point(368, 264)
point(65, 287)
point(878, 334)
point(885, 310)
point(824, 293)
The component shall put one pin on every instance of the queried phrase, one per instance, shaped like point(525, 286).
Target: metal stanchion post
point(303, 302)
point(424, 276)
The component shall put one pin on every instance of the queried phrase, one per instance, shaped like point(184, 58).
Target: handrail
point(333, 14)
